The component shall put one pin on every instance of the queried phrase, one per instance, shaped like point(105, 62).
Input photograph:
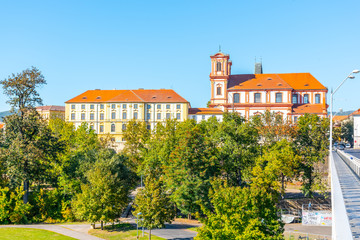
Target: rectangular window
point(92, 106)
point(317, 98)
point(83, 106)
point(257, 98)
point(158, 106)
point(101, 128)
point(135, 106)
point(295, 98)
point(158, 116)
point(91, 116)
point(124, 106)
point(167, 106)
point(113, 106)
point(101, 106)
point(203, 117)
point(92, 127)
point(73, 116)
point(124, 115)
point(278, 98)
point(113, 127)
point(148, 127)
point(167, 115)
point(124, 127)
point(148, 106)
point(306, 98)
point(178, 106)
point(83, 116)
point(101, 116)
point(295, 119)
point(178, 116)
point(73, 106)
point(135, 115)
point(113, 139)
point(113, 115)
point(148, 116)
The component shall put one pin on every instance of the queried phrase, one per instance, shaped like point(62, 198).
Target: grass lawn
point(124, 231)
point(30, 234)
point(195, 229)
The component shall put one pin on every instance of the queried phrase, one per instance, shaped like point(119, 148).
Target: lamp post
point(137, 225)
point(331, 108)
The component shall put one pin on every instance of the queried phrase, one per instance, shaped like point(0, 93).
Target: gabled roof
point(140, 95)
point(355, 113)
point(297, 81)
point(51, 108)
point(205, 111)
point(309, 108)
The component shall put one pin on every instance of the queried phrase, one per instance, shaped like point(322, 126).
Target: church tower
point(219, 76)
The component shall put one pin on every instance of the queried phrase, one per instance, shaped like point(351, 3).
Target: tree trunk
point(189, 216)
point(93, 225)
point(102, 225)
point(149, 233)
point(26, 190)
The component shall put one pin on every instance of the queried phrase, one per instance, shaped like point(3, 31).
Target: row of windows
point(113, 106)
point(124, 116)
point(278, 98)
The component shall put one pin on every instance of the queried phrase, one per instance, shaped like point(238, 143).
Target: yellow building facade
point(51, 112)
point(108, 111)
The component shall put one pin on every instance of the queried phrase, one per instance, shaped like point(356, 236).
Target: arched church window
point(218, 66)
point(218, 91)
point(236, 98)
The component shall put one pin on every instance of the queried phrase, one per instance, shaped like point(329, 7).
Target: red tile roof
point(204, 111)
point(51, 108)
point(357, 112)
point(340, 118)
point(297, 81)
point(309, 108)
point(140, 95)
point(2, 125)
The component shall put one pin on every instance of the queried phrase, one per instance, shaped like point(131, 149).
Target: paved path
point(173, 231)
point(66, 230)
point(315, 230)
point(350, 186)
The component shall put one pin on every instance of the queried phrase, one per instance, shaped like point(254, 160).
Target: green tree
point(192, 164)
point(29, 150)
point(312, 145)
point(153, 203)
point(241, 213)
point(347, 131)
point(106, 194)
point(281, 159)
point(237, 143)
point(137, 136)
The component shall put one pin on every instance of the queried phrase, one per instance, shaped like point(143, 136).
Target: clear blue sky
point(81, 45)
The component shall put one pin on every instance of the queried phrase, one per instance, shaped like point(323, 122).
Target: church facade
point(289, 94)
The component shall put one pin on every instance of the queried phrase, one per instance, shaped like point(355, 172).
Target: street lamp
point(331, 107)
point(137, 225)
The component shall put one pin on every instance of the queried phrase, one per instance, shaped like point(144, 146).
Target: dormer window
point(218, 66)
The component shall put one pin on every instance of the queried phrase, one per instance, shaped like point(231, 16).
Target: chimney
point(258, 68)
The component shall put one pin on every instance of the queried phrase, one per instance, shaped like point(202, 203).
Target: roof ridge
point(137, 95)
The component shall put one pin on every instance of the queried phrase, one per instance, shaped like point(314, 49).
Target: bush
point(12, 207)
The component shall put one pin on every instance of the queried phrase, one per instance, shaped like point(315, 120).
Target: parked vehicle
point(348, 145)
point(340, 147)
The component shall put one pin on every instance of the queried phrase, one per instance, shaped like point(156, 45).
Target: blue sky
point(82, 45)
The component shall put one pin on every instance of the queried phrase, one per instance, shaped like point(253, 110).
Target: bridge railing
point(351, 161)
point(340, 221)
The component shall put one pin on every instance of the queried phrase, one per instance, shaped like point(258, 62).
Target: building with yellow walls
point(108, 111)
point(51, 112)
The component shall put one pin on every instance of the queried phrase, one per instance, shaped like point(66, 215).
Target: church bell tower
point(219, 76)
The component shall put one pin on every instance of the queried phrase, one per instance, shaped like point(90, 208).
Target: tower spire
point(219, 48)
